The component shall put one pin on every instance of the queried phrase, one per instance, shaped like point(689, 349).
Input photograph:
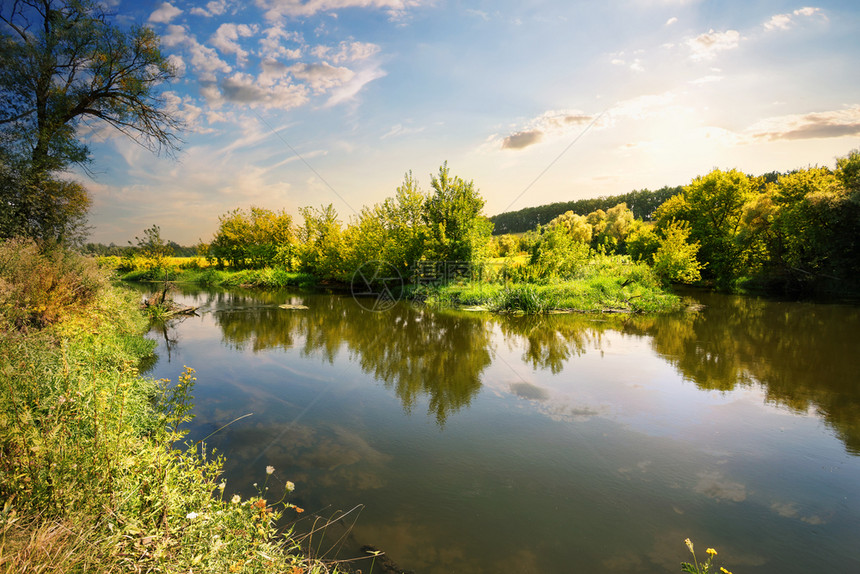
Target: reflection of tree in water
point(416, 352)
point(549, 341)
point(804, 355)
point(421, 352)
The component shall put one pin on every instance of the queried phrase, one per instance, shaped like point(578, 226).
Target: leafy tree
point(577, 226)
point(403, 218)
point(642, 242)
point(41, 206)
point(848, 172)
point(675, 260)
point(714, 207)
point(614, 225)
point(153, 247)
point(253, 238)
point(558, 255)
point(64, 65)
point(457, 229)
point(321, 246)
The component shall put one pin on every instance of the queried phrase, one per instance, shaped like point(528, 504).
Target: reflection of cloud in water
point(331, 457)
point(529, 391)
point(715, 485)
point(406, 538)
point(558, 406)
point(790, 510)
point(641, 467)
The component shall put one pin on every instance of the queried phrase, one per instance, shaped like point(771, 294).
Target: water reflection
point(412, 351)
point(802, 354)
point(552, 444)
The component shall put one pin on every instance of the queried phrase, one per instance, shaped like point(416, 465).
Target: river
point(471, 442)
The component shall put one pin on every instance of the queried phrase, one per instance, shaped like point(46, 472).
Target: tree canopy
point(64, 65)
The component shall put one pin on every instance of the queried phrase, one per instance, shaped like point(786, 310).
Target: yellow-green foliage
point(94, 473)
point(38, 285)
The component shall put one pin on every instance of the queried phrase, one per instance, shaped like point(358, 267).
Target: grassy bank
point(95, 473)
point(604, 285)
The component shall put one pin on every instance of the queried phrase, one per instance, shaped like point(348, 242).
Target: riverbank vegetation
point(792, 233)
point(95, 473)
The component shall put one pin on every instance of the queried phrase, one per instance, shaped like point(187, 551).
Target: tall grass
point(94, 468)
point(605, 284)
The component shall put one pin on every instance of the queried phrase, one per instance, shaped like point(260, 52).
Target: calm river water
point(481, 443)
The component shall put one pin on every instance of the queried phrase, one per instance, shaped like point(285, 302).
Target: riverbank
point(95, 473)
point(606, 284)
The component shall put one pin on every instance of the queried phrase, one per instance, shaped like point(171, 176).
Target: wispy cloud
point(276, 10)
point(828, 124)
point(551, 123)
point(788, 21)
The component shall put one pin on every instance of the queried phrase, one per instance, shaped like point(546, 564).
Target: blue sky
point(291, 103)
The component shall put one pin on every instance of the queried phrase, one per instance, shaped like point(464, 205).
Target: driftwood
point(169, 307)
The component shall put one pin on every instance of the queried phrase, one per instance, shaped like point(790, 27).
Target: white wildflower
point(270, 469)
point(290, 486)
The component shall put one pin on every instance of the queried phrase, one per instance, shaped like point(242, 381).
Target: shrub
point(39, 284)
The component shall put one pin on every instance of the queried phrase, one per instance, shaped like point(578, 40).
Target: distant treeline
point(643, 203)
point(102, 250)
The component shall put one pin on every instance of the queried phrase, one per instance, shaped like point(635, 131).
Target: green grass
point(95, 471)
point(605, 284)
point(268, 277)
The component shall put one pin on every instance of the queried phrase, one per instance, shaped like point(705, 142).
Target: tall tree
point(63, 65)
point(453, 212)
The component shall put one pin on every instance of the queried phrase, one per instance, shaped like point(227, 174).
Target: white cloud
point(204, 60)
point(778, 22)
point(807, 11)
point(271, 46)
point(226, 39)
point(787, 21)
point(709, 79)
point(671, 21)
point(346, 52)
point(177, 62)
point(322, 77)
point(279, 93)
point(165, 13)
point(175, 36)
point(706, 46)
point(214, 8)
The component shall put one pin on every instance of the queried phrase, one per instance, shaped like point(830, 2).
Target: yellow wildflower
point(724, 571)
point(711, 551)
